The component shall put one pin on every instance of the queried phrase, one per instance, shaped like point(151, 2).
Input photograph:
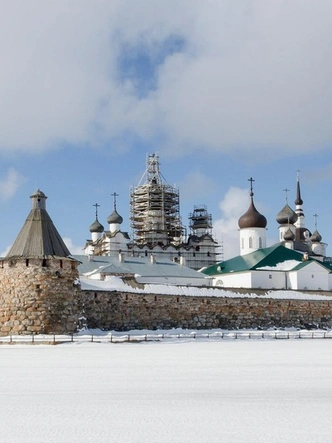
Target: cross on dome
point(114, 199)
point(96, 206)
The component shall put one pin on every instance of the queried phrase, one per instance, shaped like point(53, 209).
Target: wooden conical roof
point(38, 237)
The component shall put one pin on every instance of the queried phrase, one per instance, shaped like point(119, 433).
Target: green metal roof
point(258, 259)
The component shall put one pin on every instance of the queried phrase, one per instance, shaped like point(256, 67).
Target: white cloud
point(196, 185)
point(75, 250)
point(10, 184)
point(226, 230)
point(249, 75)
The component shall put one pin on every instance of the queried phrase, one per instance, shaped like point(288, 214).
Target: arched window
point(250, 242)
point(260, 243)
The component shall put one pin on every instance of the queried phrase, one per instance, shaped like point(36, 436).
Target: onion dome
point(316, 237)
point(96, 227)
point(289, 235)
point(115, 218)
point(286, 216)
point(252, 218)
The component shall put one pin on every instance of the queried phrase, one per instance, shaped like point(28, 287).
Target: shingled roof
point(38, 236)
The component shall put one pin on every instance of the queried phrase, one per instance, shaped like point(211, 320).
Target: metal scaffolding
point(155, 209)
point(200, 220)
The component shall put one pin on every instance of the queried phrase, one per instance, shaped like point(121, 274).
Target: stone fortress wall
point(39, 297)
point(126, 311)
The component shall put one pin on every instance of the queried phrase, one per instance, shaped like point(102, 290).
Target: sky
point(180, 391)
point(221, 90)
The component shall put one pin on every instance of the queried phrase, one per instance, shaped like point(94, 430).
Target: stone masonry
point(38, 296)
point(121, 311)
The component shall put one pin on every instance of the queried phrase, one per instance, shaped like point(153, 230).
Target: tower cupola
point(317, 246)
point(286, 216)
point(286, 219)
point(96, 228)
point(316, 237)
point(38, 200)
point(115, 219)
point(252, 226)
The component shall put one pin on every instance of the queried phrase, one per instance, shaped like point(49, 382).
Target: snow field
point(194, 391)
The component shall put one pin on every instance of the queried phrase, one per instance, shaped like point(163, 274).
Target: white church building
point(297, 262)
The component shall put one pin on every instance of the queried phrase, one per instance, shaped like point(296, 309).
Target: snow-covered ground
point(167, 392)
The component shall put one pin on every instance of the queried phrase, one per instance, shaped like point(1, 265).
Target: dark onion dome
point(252, 218)
point(96, 226)
point(115, 218)
point(302, 234)
point(286, 215)
point(289, 235)
point(316, 237)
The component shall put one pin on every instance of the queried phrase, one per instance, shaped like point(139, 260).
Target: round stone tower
point(38, 279)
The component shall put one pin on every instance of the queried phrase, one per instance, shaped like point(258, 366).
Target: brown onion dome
point(316, 237)
point(115, 218)
point(286, 215)
point(289, 235)
point(96, 227)
point(252, 218)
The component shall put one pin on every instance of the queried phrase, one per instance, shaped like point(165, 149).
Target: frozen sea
point(167, 392)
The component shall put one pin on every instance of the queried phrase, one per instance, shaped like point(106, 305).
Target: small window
point(250, 242)
point(27, 262)
point(61, 264)
point(270, 276)
point(44, 263)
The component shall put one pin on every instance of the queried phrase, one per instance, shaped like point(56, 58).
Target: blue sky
point(222, 90)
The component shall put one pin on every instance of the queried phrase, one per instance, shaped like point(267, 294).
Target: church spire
point(302, 233)
point(298, 201)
